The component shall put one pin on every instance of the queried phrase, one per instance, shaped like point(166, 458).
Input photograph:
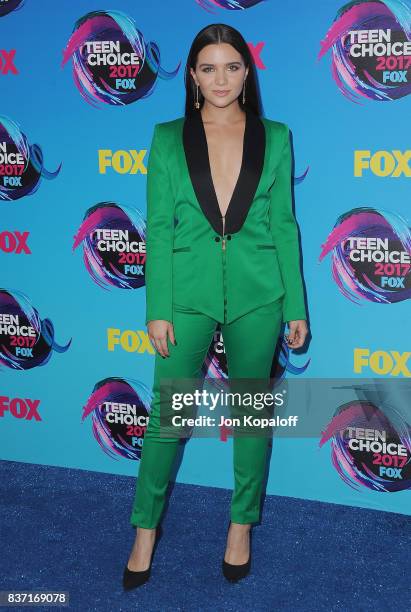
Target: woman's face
point(220, 74)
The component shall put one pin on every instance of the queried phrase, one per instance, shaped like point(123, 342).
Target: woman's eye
point(209, 68)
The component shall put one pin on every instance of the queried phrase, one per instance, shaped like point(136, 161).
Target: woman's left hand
point(297, 334)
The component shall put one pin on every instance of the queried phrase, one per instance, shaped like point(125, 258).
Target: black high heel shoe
point(131, 579)
point(234, 573)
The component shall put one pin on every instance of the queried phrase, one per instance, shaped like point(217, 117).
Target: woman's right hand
point(158, 331)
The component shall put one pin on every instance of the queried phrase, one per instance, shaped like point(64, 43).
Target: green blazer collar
point(254, 156)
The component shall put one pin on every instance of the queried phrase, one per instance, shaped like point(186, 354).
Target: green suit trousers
point(249, 343)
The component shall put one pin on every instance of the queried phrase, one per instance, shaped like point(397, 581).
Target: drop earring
point(197, 103)
point(244, 92)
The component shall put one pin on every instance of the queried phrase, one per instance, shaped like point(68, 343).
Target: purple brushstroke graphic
point(355, 282)
point(229, 5)
point(118, 431)
point(110, 268)
point(353, 75)
point(29, 340)
point(368, 468)
point(27, 163)
point(107, 84)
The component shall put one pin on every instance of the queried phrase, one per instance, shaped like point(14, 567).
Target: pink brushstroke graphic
point(361, 467)
point(107, 268)
point(363, 77)
point(102, 84)
point(357, 281)
point(15, 352)
point(29, 165)
point(123, 437)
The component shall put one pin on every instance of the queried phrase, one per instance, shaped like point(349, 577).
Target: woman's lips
point(220, 93)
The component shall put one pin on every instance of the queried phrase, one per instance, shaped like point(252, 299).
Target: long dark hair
point(221, 33)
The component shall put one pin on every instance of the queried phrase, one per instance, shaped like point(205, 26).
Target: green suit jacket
point(194, 257)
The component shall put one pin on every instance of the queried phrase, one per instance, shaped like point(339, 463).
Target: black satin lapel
point(250, 174)
point(196, 152)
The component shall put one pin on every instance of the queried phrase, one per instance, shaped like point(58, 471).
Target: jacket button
point(228, 236)
point(217, 238)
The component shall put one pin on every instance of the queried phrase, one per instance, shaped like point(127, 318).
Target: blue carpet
point(68, 529)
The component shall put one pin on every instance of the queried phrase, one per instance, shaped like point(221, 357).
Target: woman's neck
point(222, 116)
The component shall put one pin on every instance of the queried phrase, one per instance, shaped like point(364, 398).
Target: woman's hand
point(158, 331)
point(297, 334)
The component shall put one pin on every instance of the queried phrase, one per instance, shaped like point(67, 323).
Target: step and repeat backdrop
point(82, 85)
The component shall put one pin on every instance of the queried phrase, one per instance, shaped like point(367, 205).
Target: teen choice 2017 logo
point(26, 340)
point(369, 447)
point(371, 256)
point(119, 410)
point(370, 45)
point(114, 246)
point(21, 164)
point(112, 64)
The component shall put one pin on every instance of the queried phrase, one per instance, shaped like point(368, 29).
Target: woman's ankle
point(146, 529)
point(145, 535)
point(241, 526)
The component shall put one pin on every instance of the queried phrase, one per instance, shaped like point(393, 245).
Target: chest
point(225, 156)
point(240, 180)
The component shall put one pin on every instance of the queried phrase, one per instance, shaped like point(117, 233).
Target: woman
point(224, 174)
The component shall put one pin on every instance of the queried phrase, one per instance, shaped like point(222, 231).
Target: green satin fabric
point(249, 342)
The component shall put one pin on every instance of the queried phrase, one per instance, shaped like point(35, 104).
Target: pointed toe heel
point(131, 579)
point(234, 573)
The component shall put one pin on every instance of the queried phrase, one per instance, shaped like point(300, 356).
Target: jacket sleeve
point(159, 233)
point(285, 235)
